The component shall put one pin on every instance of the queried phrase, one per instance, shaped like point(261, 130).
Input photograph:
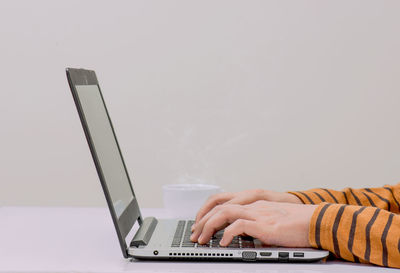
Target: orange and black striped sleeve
point(357, 233)
point(387, 197)
point(360, 225)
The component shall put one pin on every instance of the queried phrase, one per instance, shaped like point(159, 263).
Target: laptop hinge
point(143, 235)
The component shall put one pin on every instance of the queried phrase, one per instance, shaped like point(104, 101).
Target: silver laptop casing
point(159, 247)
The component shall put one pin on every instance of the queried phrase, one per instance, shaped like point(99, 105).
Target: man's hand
point(243, 198)
point(273, 223)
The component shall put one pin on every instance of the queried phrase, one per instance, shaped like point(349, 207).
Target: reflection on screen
point(105, 146)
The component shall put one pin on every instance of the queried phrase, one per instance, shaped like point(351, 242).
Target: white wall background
point(245, 94)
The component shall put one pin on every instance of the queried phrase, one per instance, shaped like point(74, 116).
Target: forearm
point(357, 233)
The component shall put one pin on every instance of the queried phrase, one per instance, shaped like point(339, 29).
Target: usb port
point(298, 254)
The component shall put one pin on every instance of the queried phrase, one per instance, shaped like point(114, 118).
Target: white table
point(34, 239)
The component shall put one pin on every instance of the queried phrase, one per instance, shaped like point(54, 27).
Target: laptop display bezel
point(131, 214)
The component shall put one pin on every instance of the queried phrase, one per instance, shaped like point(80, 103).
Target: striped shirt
point(359, 225)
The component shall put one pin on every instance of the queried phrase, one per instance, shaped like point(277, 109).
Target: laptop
point(155, 239)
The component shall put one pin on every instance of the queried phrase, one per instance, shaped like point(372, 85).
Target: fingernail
point(192, 237)
point(200, 240)
point(222, 242)
point(193, 227)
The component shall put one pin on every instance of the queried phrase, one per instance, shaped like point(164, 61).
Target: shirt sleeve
point(357, 233)
point(386, 197)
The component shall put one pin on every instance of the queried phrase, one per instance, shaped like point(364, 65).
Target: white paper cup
point(184, 200)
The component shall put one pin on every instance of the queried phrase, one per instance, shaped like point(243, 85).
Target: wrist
point(309, 220)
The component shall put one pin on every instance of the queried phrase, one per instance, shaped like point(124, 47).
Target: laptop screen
point(106, 147)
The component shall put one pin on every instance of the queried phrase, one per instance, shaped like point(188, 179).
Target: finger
point(197, 228)
point(240, 200)
point(221, 220)
point(241, 226)
point(214, 200)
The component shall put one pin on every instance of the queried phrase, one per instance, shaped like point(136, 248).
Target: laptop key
point(176, 241)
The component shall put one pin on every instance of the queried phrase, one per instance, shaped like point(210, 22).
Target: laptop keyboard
point(183, 233)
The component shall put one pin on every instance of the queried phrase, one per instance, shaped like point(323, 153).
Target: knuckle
point(208, 228)
point(234, 229)
point(200, 225)
point(240, 223)
point(258, 192)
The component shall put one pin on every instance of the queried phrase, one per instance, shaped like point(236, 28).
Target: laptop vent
point(198, 255)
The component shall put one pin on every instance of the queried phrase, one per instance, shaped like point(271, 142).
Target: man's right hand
point(244, 198)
